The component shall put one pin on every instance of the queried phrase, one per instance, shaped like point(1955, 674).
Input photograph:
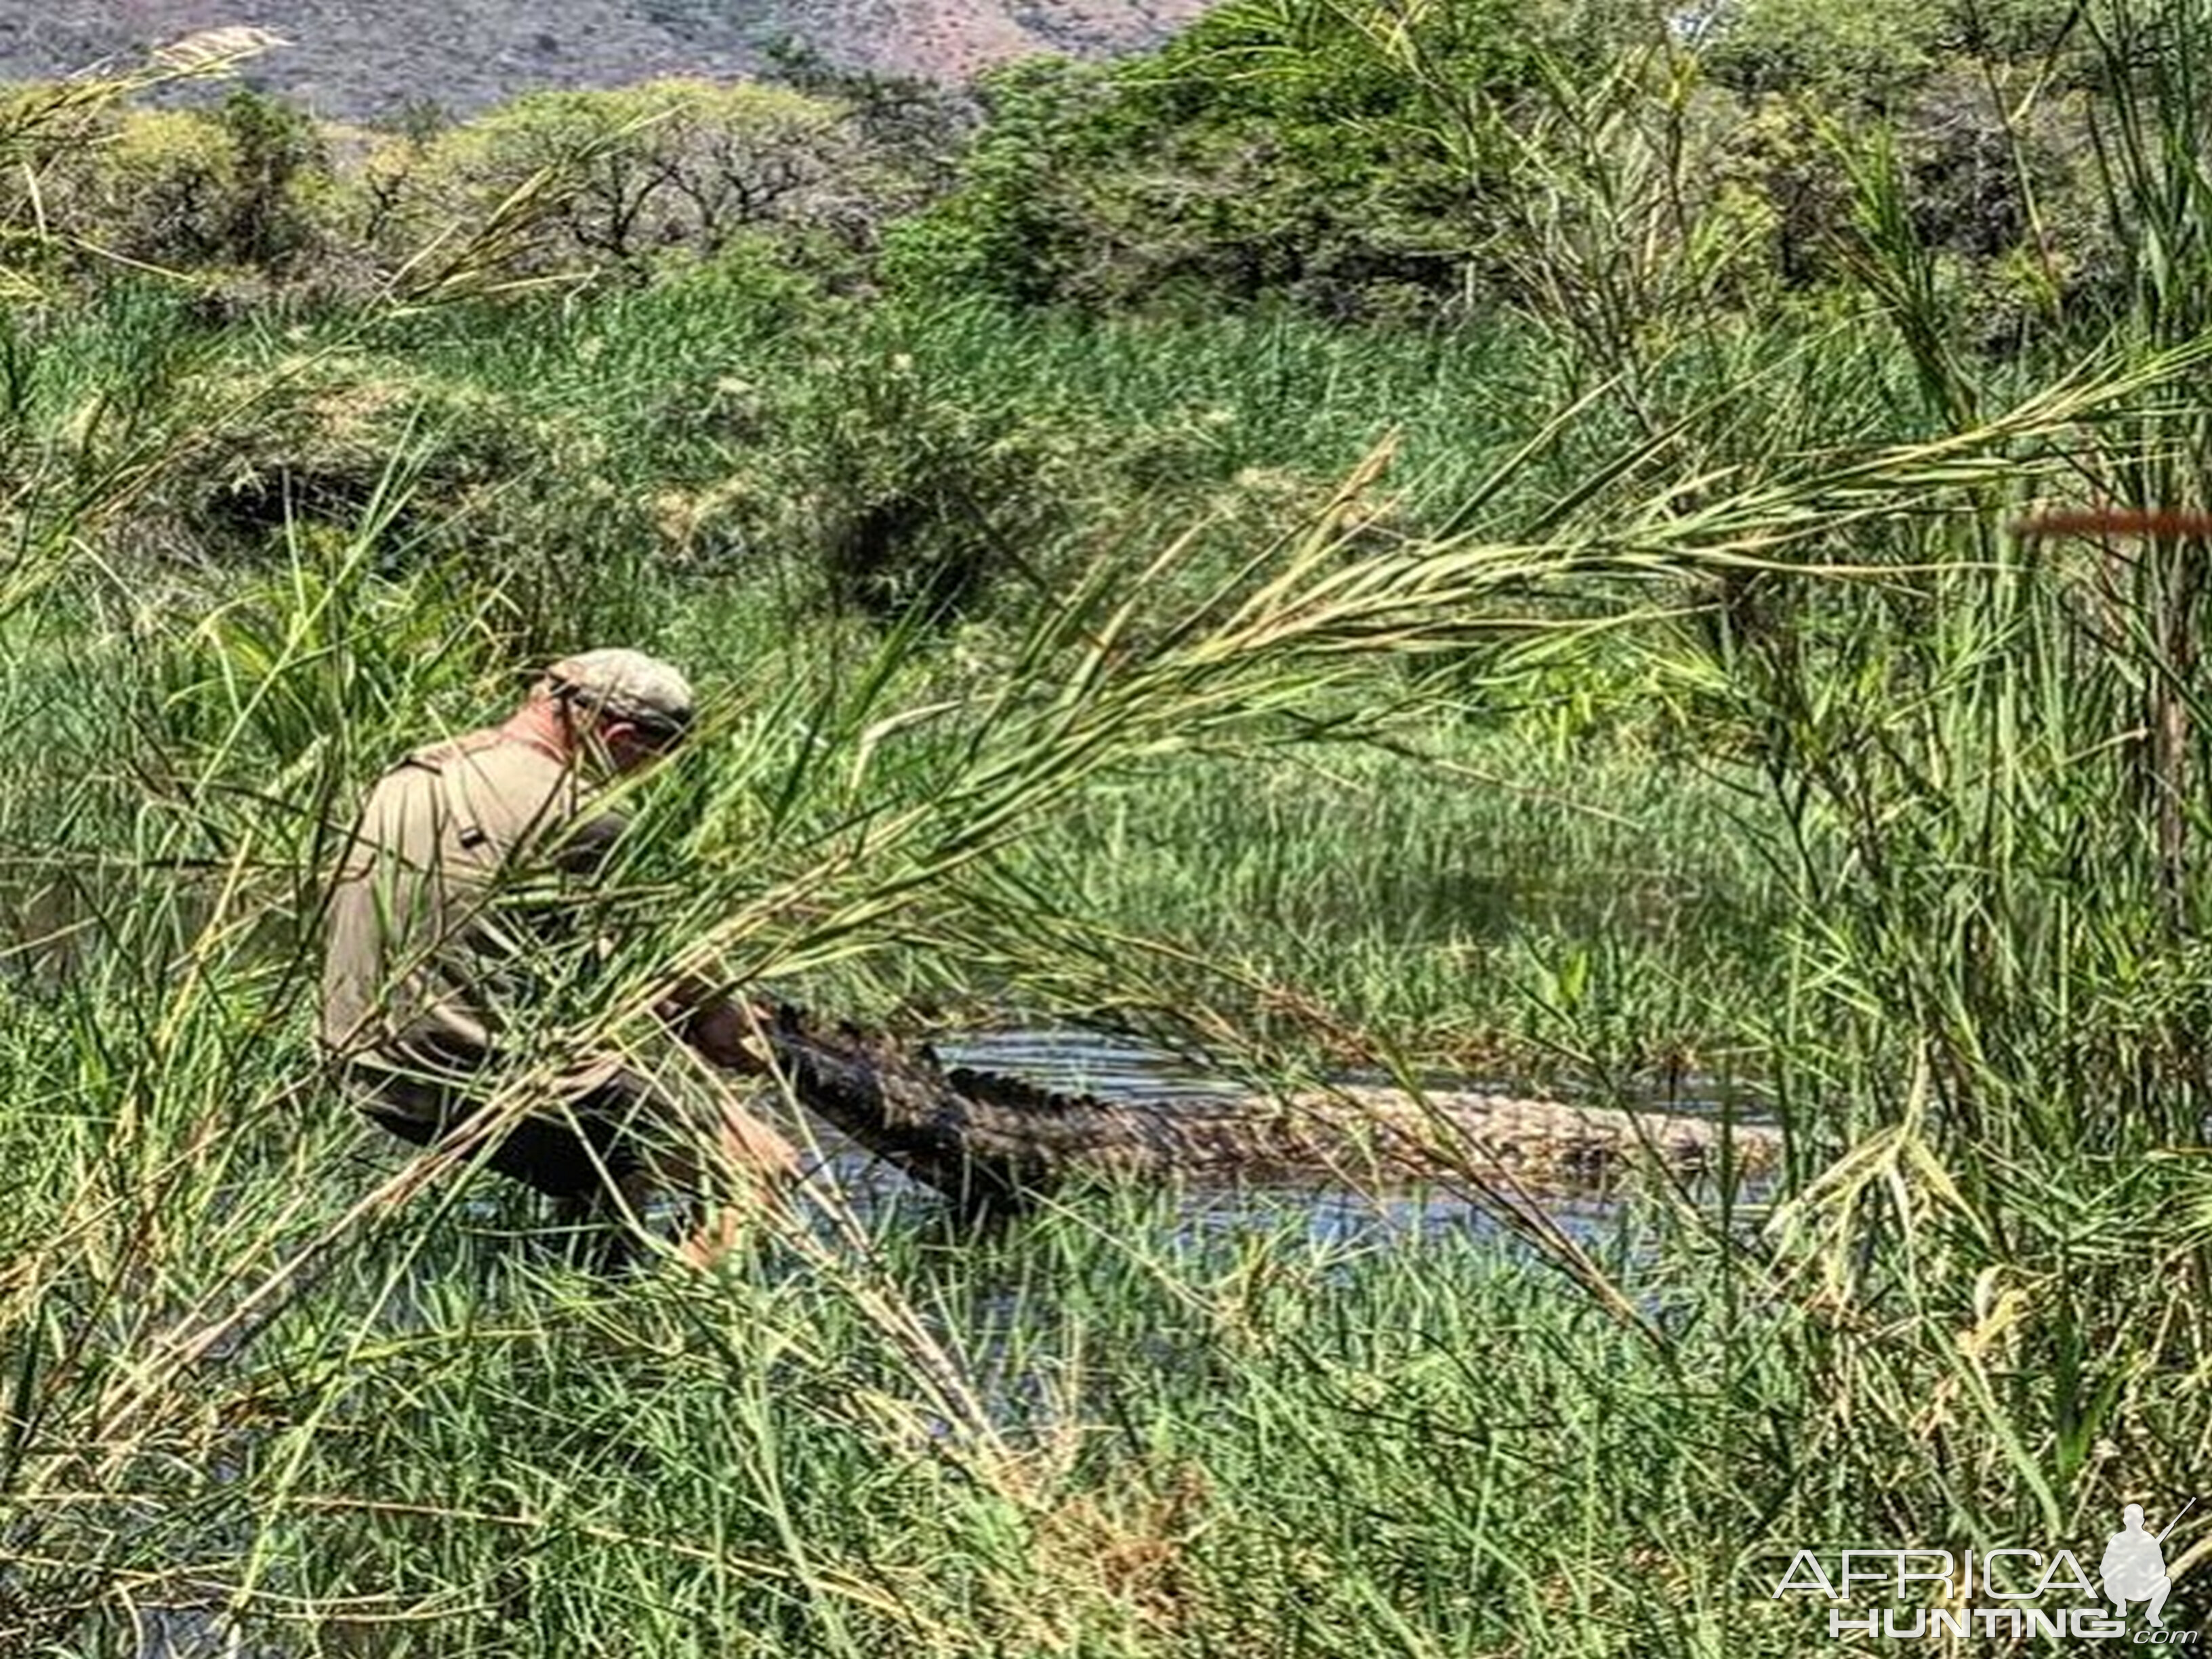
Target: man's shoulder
point(520, 793)
point(497, 771)
point(486, 750)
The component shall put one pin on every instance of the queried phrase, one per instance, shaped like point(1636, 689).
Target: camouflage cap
point(625, 685)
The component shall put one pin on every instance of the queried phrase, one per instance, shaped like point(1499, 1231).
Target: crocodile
point(996, 1143)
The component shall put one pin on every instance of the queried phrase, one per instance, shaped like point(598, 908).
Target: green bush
point(896, 493)
point(1307, 151)
point(1880, 53)
point(243, 186)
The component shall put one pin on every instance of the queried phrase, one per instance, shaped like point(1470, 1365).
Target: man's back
point(427, 945)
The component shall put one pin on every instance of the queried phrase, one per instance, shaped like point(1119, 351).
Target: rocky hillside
point(358, 59)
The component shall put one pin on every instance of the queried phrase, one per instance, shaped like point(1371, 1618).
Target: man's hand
point(723, 1031)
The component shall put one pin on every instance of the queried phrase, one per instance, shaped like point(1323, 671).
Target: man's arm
point(723, 1030)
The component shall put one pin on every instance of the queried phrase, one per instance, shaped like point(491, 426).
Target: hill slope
point(361, 59)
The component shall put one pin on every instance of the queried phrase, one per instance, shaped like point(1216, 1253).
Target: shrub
point(908, 498)
point(242, 186)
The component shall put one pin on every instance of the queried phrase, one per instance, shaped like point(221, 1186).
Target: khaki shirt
point(448, 908)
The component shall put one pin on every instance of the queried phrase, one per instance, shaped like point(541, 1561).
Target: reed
point(1715, 720)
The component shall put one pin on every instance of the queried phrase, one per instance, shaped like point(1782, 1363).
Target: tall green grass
point(1714, 718)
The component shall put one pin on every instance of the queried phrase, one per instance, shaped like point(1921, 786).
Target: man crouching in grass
point(459, 900)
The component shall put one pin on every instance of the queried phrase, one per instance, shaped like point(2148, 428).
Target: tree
point(625, 178)
point(242, 185)
point(1299, 149)
point(1875, 54)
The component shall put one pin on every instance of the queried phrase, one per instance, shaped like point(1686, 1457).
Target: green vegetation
point(1556, 613)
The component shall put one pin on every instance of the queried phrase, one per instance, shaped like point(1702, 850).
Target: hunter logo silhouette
point(2134, 1568)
